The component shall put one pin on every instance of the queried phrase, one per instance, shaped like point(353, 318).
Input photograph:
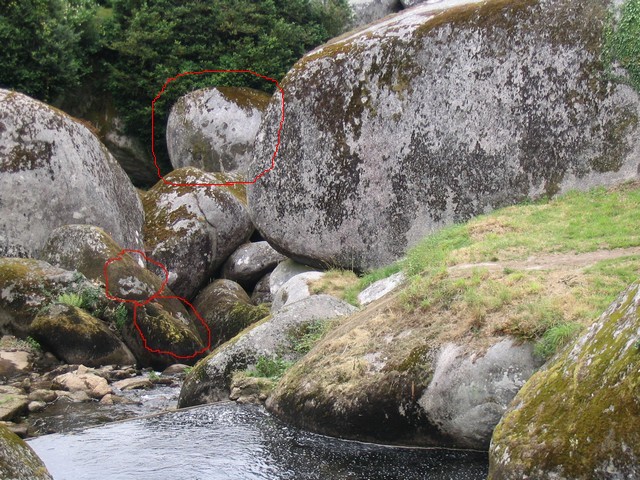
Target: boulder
point(579, 416)
point(250, 262)
point(284, 272)
point(213, 129)
point(210, 379)
point(262, 291)
point(26, 285)
point(54, 171)
point(83, 381)
point(78, 338)
point(192, 230)
point(380, 288)
point(135, 383)
point(469, 393)
point(367, 11)
point(437, 114)
point(227, 310)
point(18, 461)
point(294, 290)
point(13, 402)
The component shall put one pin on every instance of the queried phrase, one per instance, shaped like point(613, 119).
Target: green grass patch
point(269, 367)
point(71, 299)
point(556, 337)
point(304, 337)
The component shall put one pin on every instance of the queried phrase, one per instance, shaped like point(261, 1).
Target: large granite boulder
point(210, 379)
point(434, 115)
point(367, 11)
point(78, 338)
point(250, 262)
point(27, 285)
point(213, 129)
point(579, 416)
point(227, 310)
point(18, 461)
point(192, 230)
point(54, 171)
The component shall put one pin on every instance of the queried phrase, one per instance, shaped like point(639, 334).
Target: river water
point(231, 441)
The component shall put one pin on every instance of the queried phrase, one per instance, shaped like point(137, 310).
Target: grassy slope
point(549, 305)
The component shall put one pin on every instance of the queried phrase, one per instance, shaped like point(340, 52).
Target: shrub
point(269, 367)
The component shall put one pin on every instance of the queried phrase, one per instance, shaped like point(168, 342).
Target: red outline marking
point(226, 184)
point(155, 296)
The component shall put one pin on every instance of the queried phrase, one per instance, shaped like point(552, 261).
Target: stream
point(231, 441)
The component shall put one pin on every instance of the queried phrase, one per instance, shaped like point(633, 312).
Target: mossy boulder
point(158, 338)
point(579, 416)
point(18, 461)
point(76, 337)
point(250, 262)
point(435, 115)
point(213, 129)
point(227, 310)
point(210, 379)
point(54, 171)
point(193, 229)
point(26, 286)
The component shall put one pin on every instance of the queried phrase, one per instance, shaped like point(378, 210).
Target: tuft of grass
point(556, 337)
point(71, 299)
point(304, 338)
point(121, 316)
point(269, 367)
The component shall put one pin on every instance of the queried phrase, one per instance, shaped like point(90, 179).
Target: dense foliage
point(46, 45)
point(623, 41)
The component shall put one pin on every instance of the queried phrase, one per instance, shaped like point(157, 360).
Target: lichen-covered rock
point(227, 310)
point(26, 285)
point(168, 338)
point(380, 288)
point(437, 114)
point(78, 338)
point(192, 230)
point(13, 402)
point(284, 272)
point(262, 291)
point(213, 129)
point(579, 416)
point(294, 290)
point(210, 379)
point(469, 393)
point(367, 11)
point(18, 461)
point(250, 262)
point(53, 172)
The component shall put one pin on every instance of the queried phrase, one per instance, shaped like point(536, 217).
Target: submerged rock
point(18, 461)
point(78, 338)
point(434, 115)
point(579, 416)
point(192, 230)
point(210, 379)
point(53, 172)
point(213, 129)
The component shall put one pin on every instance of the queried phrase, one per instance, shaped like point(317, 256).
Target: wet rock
point(285, 271)
point(250, 262)
point(579, 416)
point(54, 172)
point(246, 389)
point(439, 113)
point(20, 429)
point(78, 338)
point(135, 383)
point(192, 230)
point(213, 129)
point(18, 461)
point(26, 286)
point(262, 291)
point(380, 288)
point(111, 399)
point(227, 310)
point(210, 378)
point(35, 407)
point(367, 11)
point(83, 381)
point(41, 395)
point(294, 290)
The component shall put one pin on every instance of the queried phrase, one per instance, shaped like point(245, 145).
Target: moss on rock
point(579, 417)
point(18, 461)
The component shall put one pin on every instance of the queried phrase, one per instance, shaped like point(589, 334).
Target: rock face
point(294, 290)
point(78, 338)
point(210, 379)
point(192, 230)
point(18, 461)
point(367, 11)
point(227, 310)
point(25, 285)
point(250, 262)
point(437, 114)
point(213, 129)
point(579, 417)
point(53, 172)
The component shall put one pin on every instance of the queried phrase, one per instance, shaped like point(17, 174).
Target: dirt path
point(552, 261)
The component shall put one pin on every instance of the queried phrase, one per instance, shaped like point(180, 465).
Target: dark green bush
point(623, 41)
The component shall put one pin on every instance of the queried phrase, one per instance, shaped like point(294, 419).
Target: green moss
point(246, 98)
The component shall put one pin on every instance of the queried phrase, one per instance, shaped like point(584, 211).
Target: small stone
point(41, 395)
point(135, 383)
point(36, 406)
point(175, 369)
